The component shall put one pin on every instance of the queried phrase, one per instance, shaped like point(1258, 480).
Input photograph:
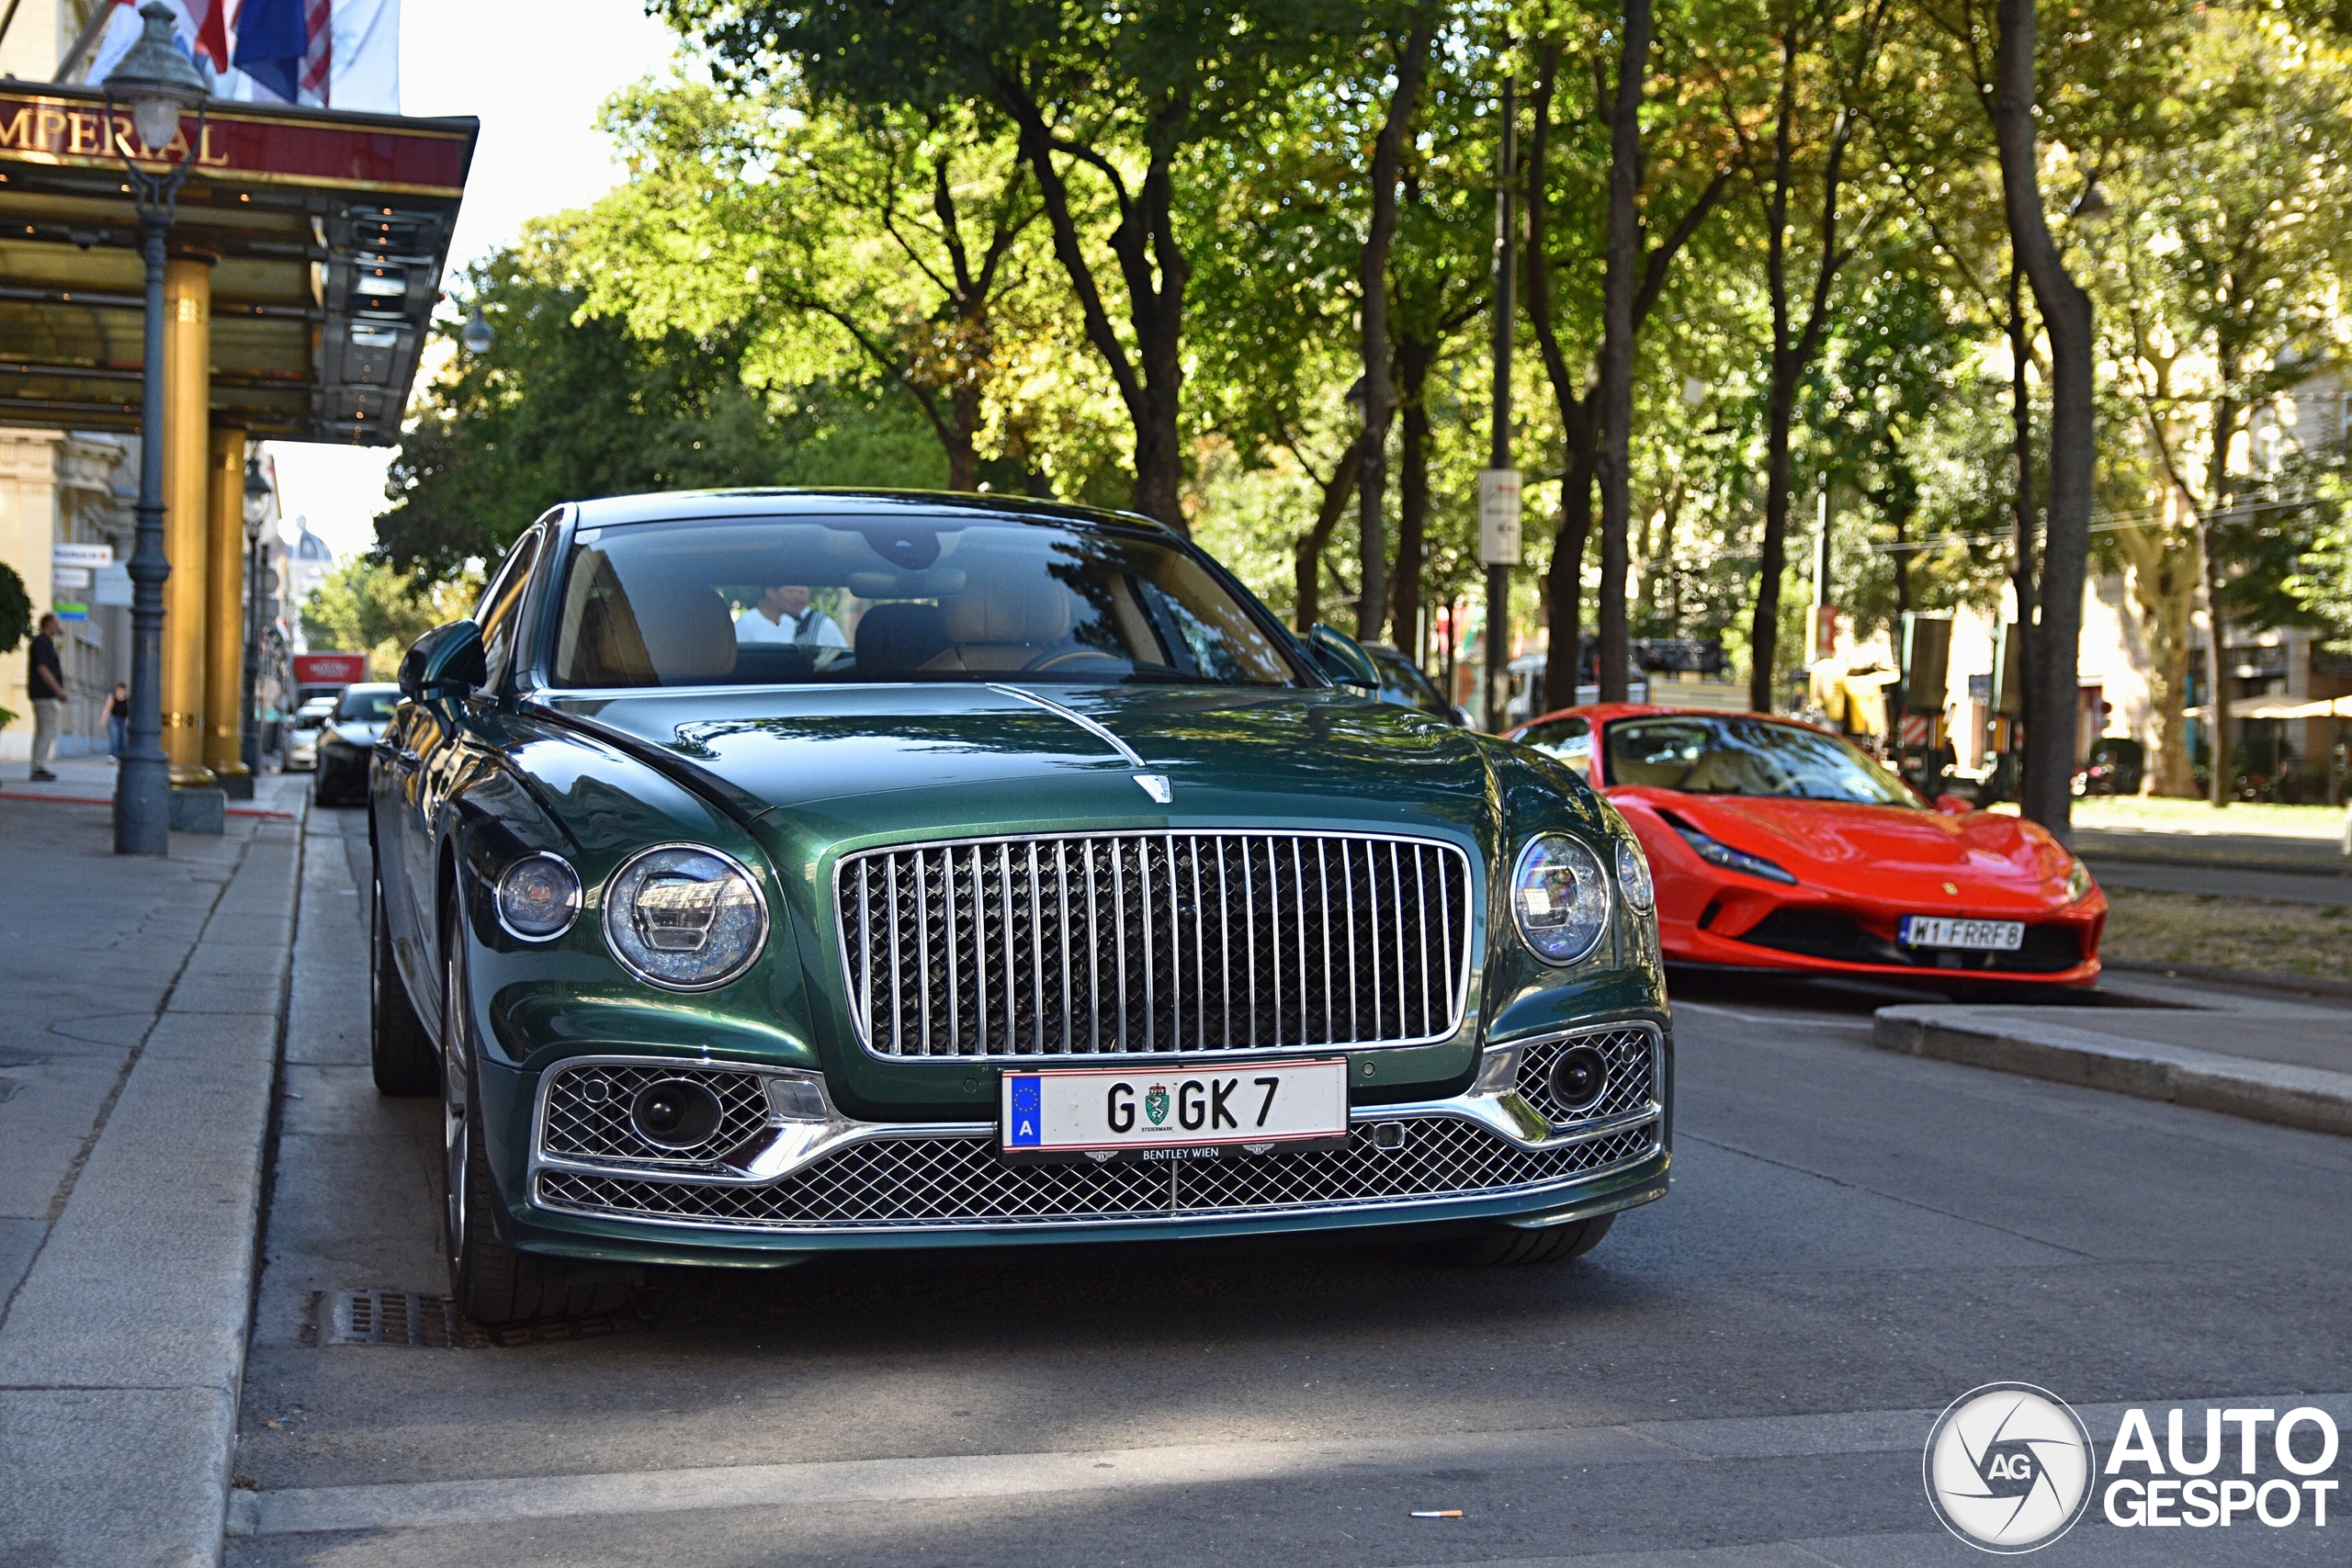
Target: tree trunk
point(963, 423)
point(2046, 794)
point(1413, 360)
point(1764, 634)
point(2021, 563)
point(1379, 391)
point(1564, 584)
point(1625, 257)
point(1307, 556)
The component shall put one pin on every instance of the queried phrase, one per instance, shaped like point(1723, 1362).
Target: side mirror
point(1341, 658)
point(444, 662)
point(1952, 806)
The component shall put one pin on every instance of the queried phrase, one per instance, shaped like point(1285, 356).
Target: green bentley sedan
point(761, 874)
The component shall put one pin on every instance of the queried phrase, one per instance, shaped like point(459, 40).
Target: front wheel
point(1507, 1245)
point(491, 1281)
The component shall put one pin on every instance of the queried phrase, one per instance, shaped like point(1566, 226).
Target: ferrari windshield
point(1708, 755)
point(768, 601)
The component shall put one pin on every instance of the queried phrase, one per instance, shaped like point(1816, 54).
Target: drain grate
point(397, 1318)
point(433, 1323)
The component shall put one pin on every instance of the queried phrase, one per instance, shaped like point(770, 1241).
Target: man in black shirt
point(47, 678)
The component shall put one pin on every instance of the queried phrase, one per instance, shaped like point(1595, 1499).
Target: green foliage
point(16, 609)
point(366, 607)
point(565, 406)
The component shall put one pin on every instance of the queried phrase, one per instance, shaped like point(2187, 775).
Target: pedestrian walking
point(119, 720)
point(48, 681)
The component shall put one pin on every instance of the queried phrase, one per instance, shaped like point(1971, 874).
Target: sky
point(534, 73)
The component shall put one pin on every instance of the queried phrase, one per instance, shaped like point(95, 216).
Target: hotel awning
point(328, 231)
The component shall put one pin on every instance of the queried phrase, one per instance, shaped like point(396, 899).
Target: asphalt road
point(1741, 1373)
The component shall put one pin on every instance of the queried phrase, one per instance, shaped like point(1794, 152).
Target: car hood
point(1871, 848)
point(885, 756)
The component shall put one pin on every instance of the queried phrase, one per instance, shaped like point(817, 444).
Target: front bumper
point(1501, 1151)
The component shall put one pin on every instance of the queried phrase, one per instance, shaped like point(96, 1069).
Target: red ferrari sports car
point(1777, 846)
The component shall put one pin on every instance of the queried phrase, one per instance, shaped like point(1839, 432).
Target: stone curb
point(2308, 1097)
point(2247, 979)
point(122, 1358)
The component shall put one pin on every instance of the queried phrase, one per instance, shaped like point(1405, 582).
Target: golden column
point(187, 420)
point(224, 617)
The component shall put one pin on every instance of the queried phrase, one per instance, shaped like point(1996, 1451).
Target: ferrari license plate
point(1166, 1114)
point(1950, 931)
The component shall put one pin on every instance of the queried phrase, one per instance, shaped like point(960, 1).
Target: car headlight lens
point(684, 917)
point(539, 897)
point(1560, 896)
point(2079, 883)
point(1715, 852)
point(1633, 874)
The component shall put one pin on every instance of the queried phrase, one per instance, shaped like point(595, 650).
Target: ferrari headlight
point(684, 917)
point(1715, 852)
point(1633, 874)
point(539, 897)
point(2079, 883)
point(1560, 897)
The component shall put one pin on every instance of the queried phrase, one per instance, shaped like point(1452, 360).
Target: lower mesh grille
point(952, 1180)
point(1633, 1076)
point(587, 1114)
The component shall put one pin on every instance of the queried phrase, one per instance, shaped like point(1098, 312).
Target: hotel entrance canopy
point(325, 235)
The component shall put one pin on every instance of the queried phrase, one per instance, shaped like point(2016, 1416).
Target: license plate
point(1948, 930)
point(1169, 1113)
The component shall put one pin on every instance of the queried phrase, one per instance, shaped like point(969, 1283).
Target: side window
point(498, 614)
point(1569, 739)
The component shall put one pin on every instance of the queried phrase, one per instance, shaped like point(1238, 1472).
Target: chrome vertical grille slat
point(1343, 939)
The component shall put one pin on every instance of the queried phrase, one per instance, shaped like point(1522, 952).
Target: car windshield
point(368, 706)
point(1706, 755)
point(769, 601)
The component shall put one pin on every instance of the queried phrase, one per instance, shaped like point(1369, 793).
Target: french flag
point(200, 27)
point(287, 48)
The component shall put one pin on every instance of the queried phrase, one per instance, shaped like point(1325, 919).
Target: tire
point(491, 1281)
point(1506, 1247)
point(400, 1053)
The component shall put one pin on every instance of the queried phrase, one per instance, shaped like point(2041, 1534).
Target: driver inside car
point(785, 614)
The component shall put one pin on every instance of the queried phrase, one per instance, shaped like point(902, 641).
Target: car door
point(428, 762)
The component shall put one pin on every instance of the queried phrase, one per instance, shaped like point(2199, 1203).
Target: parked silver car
point(302, 734)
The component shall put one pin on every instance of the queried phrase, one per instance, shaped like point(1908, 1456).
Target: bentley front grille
point(1141, 943)
point(918, 1181)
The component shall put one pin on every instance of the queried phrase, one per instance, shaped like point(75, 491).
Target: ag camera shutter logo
point(2008, 1467)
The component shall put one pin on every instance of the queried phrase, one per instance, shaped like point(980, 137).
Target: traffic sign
point(83, 555)
point(1498, 543)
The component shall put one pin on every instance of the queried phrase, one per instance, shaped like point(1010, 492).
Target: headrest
point(999, 612)
point(687, 632)
point(893, 639)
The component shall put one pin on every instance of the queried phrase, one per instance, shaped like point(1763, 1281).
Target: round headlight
point(1633, 874)
point(539, 897)
point(684, 917)
point(1560, 896)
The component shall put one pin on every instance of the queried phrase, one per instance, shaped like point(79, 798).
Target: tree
point(366, 607)
point(563, 407)
point(779, 223)
point(1377, 386)
point(2225, 272)
point(1618, 288)
point(1114, 100)
point(1691, 173)
point(1827, 57)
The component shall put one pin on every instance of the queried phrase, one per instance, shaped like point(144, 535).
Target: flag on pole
point(199, 26)
point(324, 54)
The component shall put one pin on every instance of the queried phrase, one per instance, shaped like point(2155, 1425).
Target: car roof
point(367, 686)
point(880, 504)
point(1602, 713)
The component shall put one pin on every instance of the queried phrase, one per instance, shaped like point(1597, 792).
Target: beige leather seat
point(1002, 625)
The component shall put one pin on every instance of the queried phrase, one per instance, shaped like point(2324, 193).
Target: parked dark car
point(348, 743)
point(2115, 767)
point(1036, 887)
point(1408, 685)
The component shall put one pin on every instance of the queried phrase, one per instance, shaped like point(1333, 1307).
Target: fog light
point(1388, 1134)
point(674, 1113)
point(1579, 1079)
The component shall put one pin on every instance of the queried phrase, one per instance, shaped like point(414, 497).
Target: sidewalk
point(2266, 1057)
point(91, 780)
point(138, 1052)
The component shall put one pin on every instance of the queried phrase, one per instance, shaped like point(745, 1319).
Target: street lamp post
point(258, 495)
point(160, 83)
